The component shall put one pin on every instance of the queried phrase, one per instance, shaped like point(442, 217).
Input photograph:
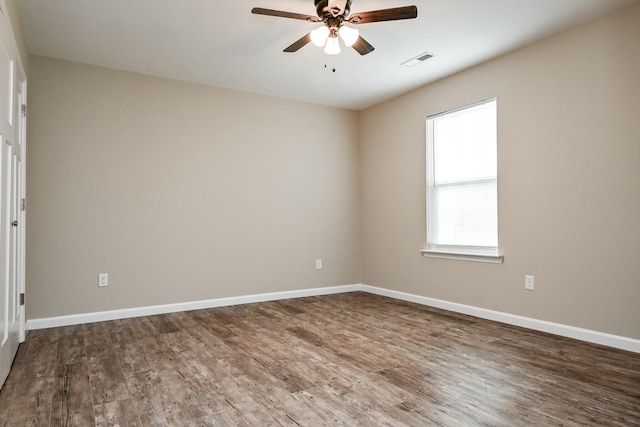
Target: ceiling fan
point(333, 14)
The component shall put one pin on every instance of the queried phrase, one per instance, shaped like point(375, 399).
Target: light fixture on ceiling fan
point(327, 37)
point(333, 14)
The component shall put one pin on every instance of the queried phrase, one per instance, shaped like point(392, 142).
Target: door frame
point(22, 206)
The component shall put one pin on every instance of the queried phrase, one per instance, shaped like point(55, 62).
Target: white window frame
point(432, 249)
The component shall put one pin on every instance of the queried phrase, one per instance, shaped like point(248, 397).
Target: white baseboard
point(78, 319)
point(595, 337)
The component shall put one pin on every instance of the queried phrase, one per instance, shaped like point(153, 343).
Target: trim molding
point(615, 341)
point(581, 334)
point(493, 259)
point(101, 316)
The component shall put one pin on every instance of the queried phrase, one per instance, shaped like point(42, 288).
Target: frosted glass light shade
point(319, 36)
point(349, 35)
point(333, 46)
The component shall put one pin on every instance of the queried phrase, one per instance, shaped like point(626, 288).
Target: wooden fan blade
point(281, 14)
point(298, 44)
point(393, 14)
point(362, 46)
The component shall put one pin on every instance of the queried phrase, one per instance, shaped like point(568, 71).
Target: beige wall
point(569, 182)
point(18, 35)
point(181, 192)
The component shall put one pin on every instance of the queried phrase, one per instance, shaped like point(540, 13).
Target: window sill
point(493, 259)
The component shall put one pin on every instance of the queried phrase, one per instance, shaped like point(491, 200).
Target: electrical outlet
point(103, 279)
point(528, 282)
point(318, 264)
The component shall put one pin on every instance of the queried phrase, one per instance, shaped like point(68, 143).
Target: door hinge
point(24, 204)
point(22, 298)
point(23, 110)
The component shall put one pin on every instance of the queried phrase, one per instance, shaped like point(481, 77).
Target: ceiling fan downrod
point(332, 8)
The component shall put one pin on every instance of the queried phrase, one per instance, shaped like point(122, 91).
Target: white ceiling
point(220, 43)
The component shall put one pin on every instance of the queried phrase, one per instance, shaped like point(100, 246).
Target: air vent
point(417, 60)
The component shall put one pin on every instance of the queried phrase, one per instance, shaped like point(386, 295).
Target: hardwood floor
point(347, 359)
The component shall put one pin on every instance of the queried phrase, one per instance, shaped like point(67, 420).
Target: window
point(462, 183)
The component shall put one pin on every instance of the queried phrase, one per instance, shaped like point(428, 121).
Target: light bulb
point(349, 35)
point(319, 35)
point(333, 46)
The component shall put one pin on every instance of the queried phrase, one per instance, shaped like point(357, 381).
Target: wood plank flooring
point(350, 359)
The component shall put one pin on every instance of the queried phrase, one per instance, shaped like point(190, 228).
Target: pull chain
point(333, 65)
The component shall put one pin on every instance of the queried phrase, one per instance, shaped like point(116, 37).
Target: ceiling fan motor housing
point(323, 10)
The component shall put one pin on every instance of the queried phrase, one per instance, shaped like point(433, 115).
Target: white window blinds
point(462, 172)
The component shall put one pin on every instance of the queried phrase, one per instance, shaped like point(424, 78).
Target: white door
point(9, 309)
point(11, 317)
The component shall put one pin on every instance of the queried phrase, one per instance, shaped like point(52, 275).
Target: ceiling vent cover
point(417, 59)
